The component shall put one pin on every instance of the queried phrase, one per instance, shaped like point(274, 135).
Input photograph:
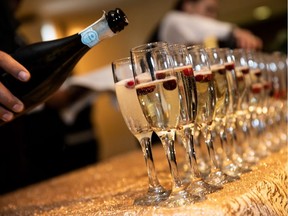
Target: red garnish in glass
point(188, 72)
point(203, 77)
point(257, 73)
point(207, 77)
point(230, 66)
point(256, 89)
point(221, 70)
point(199, 77)
point(276, 94)
point(267, 85)
point(145, 90)
point(245, 70)
point(160, 75)
point(170, 84)
point(130, 84)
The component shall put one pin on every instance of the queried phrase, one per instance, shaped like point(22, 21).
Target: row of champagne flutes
point(225, 107)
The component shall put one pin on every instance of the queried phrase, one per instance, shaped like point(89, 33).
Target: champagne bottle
point(51, 62)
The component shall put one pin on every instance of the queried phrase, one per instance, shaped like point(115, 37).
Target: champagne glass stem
point(168, 143)
point(156, 192)
point(187, 139)
point(147, 152)
point(191, 153)
point(196, 185)
point(138, 126)
point(179, 196)
point(210, 147)
point(248, 153)
point(228, 165)
point(215, 177)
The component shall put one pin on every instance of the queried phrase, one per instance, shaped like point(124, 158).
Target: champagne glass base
point(229, 178)
point(250, 157)
point(219, 178)
point(283, 137)
point(273, 146)
point(243, 166)
point(181, 198)
point(201, 188)
point(215, 178)
point(272, 142)
point(261, 150)
point(153, 197)
point(231, 169)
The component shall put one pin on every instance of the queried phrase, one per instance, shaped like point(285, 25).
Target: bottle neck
point(96, 32)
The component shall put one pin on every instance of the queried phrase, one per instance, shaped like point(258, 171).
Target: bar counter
point(110, 187)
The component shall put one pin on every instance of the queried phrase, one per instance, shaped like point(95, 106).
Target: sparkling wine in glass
point(276, 69)
point(268, 134)
point(158, 94)
point(206, 101)
point(188, 99)
point(217, 64)
point(231, 117)
point(257, 106)
point(138, 126)
point(243, 115)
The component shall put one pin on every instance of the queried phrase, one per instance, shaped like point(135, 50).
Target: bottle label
point(89, 37)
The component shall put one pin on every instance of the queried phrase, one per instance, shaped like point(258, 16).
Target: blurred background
point(49, 19)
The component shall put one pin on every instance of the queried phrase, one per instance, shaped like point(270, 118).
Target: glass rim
point(148, 46)
point(177, 45)
point(195, 47)
point(121, 60)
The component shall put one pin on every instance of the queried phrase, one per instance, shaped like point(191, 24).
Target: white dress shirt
point(180, 27)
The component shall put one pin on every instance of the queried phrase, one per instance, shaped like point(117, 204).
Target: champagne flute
point(206, 101)
point(217, 64)
point(158, 94)
point(257, 107)
point(276, 64)
point(187, 90)
point(243, 116)
point(234, 96)
point(138, 126)
point(269, 137)
point(187, 86)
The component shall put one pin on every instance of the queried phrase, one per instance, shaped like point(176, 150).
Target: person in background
point(194, 21)
point(39, 145)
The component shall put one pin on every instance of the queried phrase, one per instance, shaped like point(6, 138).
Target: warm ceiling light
point(262, 12)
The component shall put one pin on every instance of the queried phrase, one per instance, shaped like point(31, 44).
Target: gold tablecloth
point(109, 188)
